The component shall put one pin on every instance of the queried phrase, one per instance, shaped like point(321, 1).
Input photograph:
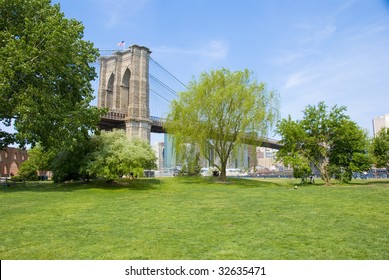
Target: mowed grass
point(195, 218)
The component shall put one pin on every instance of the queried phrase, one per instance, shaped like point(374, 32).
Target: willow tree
point(219, 112)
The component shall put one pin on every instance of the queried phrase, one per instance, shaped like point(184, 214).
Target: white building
point(380, 123)
point(158, 148)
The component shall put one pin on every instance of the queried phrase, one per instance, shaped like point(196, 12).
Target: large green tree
point(326, 139)
point(220, 111)
point(45, 75)
point(68, 163)
point(380, 148)
point(65, 163)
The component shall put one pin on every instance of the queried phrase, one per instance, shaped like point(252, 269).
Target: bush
point(17, 179)
point(115, 156)
point(28, 171)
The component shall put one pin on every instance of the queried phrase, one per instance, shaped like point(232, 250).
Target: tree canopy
point(115, 156)
point(38, 159)
point(326, 140)
point(220, 111)
point(380, 148)
point(109, 155)
point(45, 75)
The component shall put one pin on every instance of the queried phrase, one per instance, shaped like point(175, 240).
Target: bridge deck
point(114, 120)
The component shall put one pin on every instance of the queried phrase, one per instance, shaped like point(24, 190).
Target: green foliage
point(190, 160)
point(38, 159)
point(349, 151)
point(110, 155)
point(28, 170)
point(380, 148)
point(220, 111)
point(68, 163)
point(45, 75)
point(328, 140)
point(292, 152)
point(116, 156)
point(18, 178)
point(301, 168)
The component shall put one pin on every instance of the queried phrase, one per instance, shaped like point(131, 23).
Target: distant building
point(10, 161)
point(266, 157)
point(158, 148)
point(380, 123)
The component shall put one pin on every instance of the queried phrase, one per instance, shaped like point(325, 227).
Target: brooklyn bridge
point(137, 91)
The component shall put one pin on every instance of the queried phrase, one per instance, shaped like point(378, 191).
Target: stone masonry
point(124, 89)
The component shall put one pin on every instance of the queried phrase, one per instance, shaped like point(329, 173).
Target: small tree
point(38, 159)
point(300, 165)
point(116, 156)
point(380, 148)
point(220, 111)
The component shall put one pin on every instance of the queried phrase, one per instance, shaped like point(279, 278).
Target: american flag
point(121, 44)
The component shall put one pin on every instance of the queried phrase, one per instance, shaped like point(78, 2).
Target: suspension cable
point(168, 72)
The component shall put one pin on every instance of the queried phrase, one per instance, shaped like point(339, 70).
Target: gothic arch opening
point(125, 89)
point(126, 78)
point(14, 169)
point(109, 98)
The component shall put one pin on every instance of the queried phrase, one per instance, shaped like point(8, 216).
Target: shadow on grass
point(194, 180)
point(136, 185)
point(255, 183)
point(240, 182)
point(369, 182)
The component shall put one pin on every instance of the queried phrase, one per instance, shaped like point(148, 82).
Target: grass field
point(195, 218)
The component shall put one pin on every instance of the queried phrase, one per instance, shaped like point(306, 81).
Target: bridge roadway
point(117, 120)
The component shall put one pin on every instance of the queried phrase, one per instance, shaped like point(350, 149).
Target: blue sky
point(309, 51)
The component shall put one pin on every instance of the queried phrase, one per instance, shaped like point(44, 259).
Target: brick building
point(10, 161)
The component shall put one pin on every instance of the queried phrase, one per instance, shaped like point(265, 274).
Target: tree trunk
point(324, 172)
point(223, 174)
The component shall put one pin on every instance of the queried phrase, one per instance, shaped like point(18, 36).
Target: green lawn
point(195, 218)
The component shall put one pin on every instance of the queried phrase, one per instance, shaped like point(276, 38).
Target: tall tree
point(380, 148)
point(45, 75)
point(327, 139)
point(220, 111)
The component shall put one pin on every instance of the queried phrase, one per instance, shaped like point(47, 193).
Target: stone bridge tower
point(124, 89)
